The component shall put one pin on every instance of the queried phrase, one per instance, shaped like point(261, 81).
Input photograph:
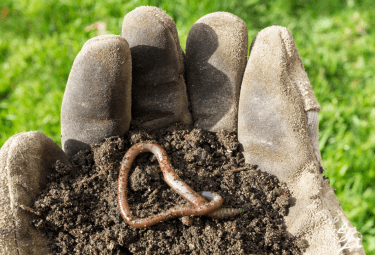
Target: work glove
point(144, 76)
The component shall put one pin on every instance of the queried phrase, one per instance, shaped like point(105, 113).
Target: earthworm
point(224, 213)
point(201, 206)
point(221, 213)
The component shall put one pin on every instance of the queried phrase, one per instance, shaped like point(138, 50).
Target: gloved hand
point(145, 76)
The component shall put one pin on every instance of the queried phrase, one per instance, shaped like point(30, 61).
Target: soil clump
point(78, 209)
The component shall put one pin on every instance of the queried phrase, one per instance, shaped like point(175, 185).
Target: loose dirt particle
point(78, 210)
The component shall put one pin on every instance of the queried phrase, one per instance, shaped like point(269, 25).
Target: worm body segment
point(221, 213)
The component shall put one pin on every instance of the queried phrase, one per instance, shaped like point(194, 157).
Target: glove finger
point(97, 97)
point(216, 50)
point(272, 120)
point(26, 160)
point(159, 95)
point(273, 130)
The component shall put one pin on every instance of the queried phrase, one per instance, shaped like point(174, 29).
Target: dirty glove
point(143, 75)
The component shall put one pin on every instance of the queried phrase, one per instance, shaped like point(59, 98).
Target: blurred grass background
point(336, 39)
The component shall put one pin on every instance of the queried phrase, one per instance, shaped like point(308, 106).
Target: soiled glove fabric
point(143, 75)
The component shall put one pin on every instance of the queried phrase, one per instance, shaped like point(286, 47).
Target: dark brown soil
point(78, 210)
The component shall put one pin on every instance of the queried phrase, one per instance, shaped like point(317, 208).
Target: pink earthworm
point(224, 213)
point(200, 205)
point(221, 213)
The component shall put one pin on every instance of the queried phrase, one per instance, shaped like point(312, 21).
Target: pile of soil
point(78, 210)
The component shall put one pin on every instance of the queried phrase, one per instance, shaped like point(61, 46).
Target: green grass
point(39, 42)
